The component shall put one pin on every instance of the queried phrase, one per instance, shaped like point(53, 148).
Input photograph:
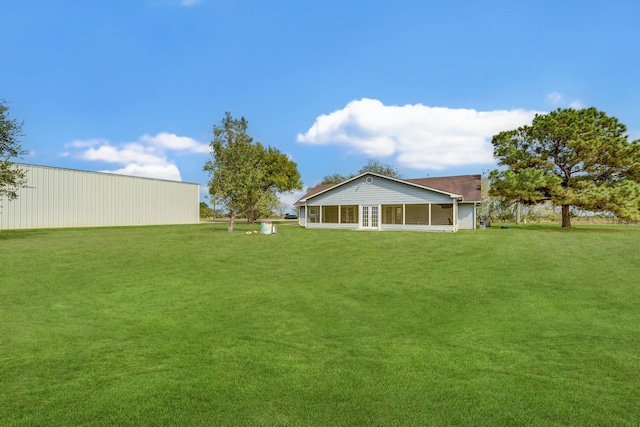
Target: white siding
point(332, 225)
point(376, 190)
point(58, 198)
point(466, 216)
point(302, 219)
point(412, 227)
point(380, 191)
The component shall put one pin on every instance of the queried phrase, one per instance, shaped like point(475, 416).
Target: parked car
point(290, 216)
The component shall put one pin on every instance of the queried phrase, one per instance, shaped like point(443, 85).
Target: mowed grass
point(190, 325)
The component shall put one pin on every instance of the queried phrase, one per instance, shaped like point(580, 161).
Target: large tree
point(335, 178)
point(580, 158)
point(374, 166)
point(11, 177)
point(278, 174)
point(245, 174)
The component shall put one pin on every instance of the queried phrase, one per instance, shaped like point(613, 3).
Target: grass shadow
point(20, 234)
point(581, 228)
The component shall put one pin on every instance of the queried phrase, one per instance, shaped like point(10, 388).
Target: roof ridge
point(468, 186)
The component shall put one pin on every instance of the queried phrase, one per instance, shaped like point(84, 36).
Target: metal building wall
point(58, 198)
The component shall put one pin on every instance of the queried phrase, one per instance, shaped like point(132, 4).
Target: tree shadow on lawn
point(582, 228)
point(20, 234)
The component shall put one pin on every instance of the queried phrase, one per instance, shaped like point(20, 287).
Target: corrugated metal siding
point(58, 198)
point(380, 191)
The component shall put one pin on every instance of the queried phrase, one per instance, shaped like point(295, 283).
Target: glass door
point(370, 216)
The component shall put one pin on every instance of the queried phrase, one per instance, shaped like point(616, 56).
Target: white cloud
point(167, 171)
point(87, 143)
point(174, 142)
point(576, 104)
point(419, 136)
point(555, 98)
point(128, 153)
point(558, 99)
point(147, 157)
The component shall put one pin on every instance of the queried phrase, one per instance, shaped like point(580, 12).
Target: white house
point(57, 197)
point(375, 202)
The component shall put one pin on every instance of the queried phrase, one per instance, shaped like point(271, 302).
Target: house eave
point(303, 202)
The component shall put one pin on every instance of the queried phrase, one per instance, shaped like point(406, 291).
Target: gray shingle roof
point(469, 186)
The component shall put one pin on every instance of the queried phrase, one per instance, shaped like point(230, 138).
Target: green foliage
point(278, 175)
point(11, 177)
point(205, 210)
point(336, 178)
point(233, 169)
point(579, 158)
point(245, 176)
point(493, 207)
point(375, 166)
point(190, 325)
point(267, 205)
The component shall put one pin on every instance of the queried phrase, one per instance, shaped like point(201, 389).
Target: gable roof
point(469, 186)
point(466, 186)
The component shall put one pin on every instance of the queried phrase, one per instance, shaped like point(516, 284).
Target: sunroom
point(382, 217)
point(375, 202)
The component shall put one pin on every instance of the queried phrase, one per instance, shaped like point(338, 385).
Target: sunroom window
point(392, 214)
point(417, 214)
point(442, 214)
point(314, 214)
point(330, 214)
point(349, 214)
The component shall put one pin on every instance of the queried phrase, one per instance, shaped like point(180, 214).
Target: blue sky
point(136, 86)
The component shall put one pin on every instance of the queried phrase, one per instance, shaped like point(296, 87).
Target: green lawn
point(190, 325)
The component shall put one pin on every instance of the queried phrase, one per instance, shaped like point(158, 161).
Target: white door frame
point(370, 217)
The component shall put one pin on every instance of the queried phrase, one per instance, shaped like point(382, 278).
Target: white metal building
point(56, 197)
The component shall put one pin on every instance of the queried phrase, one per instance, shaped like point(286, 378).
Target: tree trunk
point(232, 218)
point(253, 216)
point(566, 219)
